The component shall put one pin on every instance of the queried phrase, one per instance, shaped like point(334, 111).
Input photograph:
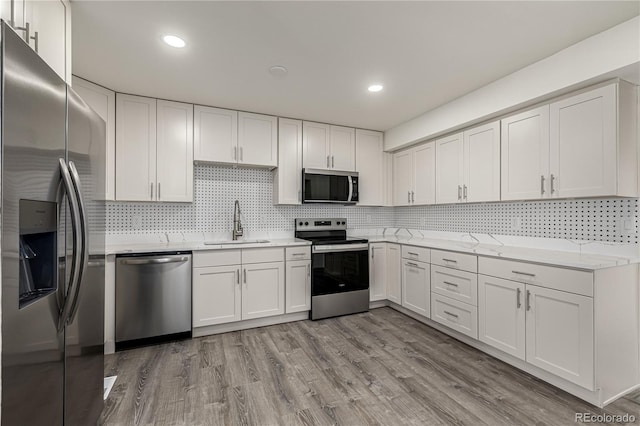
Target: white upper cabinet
point(287, 178)
point(257, 140)
point(414, 176)
point(482, 163)
point(103, 102)
point(174, 151)
point(154, 150)
point(328, 147)
point(135, 148)
point(583, 145)
point(371, 168)
point(215, 135)
point(525, 155)
point(449, 169)
point(232, 137)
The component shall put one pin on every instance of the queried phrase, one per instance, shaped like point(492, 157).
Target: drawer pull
point(412, 253)
point(450, 260)
point(526, 274)
point(298, 254)
point(518, 303)
point(451, 314)
point(412, 264)
point(453, 284)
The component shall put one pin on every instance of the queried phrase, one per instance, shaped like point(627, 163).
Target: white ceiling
point(424, 53)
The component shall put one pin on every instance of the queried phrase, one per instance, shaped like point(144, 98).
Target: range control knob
point(300, 223)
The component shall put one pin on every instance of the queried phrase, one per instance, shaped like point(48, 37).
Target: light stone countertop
point(159, 247)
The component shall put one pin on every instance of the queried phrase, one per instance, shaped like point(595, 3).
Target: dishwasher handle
point(154, 261)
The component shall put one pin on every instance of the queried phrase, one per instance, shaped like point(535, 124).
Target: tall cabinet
point(287, 178)
point(371, 167)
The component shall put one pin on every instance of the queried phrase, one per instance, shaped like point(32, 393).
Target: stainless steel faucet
point(237, 225)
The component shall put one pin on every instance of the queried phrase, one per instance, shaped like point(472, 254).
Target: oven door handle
point(340, 247)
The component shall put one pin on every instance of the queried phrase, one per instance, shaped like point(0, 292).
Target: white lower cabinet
point(216, 295)
point(394, 273)
point(501, 315)
point(416, 287)
point(560, 334)
point(226, 289)
point(298, 286)
point(262, 290)
point(457, 315)
point(377, 271)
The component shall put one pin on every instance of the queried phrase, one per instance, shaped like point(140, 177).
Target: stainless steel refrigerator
point(53, 222)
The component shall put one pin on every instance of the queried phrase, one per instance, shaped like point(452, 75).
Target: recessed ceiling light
point(174, 41)
point(375, 88)
point(278, 71)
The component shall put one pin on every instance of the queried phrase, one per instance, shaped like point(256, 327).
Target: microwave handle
point(350, 188)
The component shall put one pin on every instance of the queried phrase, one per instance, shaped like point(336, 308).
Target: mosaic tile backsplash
point(216, 189)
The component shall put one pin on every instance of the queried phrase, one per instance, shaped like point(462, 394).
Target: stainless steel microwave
point(329, 186)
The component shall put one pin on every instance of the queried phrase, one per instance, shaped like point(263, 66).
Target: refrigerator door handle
point(84, 251)
point(74, 212)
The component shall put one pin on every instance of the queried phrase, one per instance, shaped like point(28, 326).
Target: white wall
point(612, 53)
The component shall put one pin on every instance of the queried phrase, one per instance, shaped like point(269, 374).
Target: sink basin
point(231, 242)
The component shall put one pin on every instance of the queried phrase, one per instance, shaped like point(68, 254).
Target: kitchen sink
point(232, 242)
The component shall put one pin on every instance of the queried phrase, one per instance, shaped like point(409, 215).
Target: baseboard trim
point(246, 324)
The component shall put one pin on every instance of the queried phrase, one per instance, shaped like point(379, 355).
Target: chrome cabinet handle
point(241, 154)
point(408, 196)
point(412, 264)
point(528, 300)
point(413, 200)
point(373, 252)
point(333, 163)
point(308, 270)
point(238, 276)
point(244, 272)
point(298, 254)
point(412, 253)
point(459, 193)
point(553, 179)
point(450, 260)
point(299, 195)
point(526, 274)
point(26, 29)
point(464, 192)
point(151, 195)
point(451, 313)
point(450, 283)
point(327, 161)
point(541, 184)
point(158, 190)
point(518, 303)
point(235, 152)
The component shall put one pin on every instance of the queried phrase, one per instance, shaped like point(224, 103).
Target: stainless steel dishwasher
point(153, 297)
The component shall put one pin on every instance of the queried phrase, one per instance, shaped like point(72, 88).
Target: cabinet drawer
point(570, 280)
point(263, 255)
point(456, 315)
point(458, 285)
point(216, 258)
point(420, 254)
point(451, 259)
point(298, 253)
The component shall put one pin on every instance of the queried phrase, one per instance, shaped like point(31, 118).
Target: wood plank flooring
point(376, 368)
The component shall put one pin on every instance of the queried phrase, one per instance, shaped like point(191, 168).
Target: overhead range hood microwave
point(329, 186)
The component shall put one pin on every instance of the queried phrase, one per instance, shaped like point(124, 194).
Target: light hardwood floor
point(380, 367)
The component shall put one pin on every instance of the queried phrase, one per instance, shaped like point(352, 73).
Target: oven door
point(329, 186)
point(339, 268)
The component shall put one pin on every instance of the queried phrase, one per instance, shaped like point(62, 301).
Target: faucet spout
point(237, 224)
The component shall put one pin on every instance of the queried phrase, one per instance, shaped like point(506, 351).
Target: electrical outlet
point(516, 224)
point(423, 222)
point(368, 218)
point(625, 223)
point(136, 221)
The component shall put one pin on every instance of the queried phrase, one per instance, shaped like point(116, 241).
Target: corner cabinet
point(103, 102)
point(154, 150)
point(328, 147)
point(287, 178)
point(235, 138)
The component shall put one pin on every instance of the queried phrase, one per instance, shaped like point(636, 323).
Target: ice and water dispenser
point(38, 250)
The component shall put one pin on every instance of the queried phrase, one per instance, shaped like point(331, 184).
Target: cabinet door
point(216, 295)
point(342, 148)
point(583, 141)
point(416, 287)
point(402, 178)
point(262, 290)
point(424, 176)
point(315, 145)
point(370, 167)
point(377, 271)
point(449, 169)
point(257, 139)
point(394, 273)
point(135, 148)
point(287, 179)
point(560, 334)
point(482, 163)
point(501, 314)
point(175, 152)
point(525, 155)
point(48, 20)
point(215, 135)
point(298, 286)
point(103, 102)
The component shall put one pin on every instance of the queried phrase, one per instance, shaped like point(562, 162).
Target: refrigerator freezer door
point(84, 355)
point(33, 139)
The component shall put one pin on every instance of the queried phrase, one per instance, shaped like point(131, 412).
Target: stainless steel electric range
point(340, 268)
